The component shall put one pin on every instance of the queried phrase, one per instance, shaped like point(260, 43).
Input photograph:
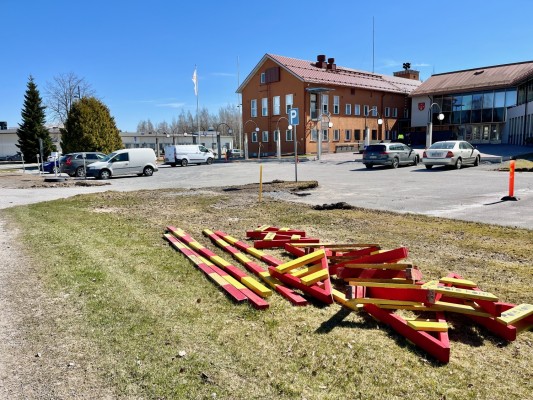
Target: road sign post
point(294, 119)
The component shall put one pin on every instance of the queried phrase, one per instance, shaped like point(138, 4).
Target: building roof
point(494, 77)
point(308, 72)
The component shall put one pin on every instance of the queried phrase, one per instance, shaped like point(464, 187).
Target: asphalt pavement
point(471, 193)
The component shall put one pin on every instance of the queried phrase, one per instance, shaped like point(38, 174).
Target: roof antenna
point(373, 44)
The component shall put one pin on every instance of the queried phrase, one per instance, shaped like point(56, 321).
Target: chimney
point(320, 61)
point(408, 74)
point(331, 66)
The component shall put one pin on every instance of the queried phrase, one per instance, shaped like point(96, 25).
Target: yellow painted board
point(337, 246)
point(262, 228)
point(218, 279)
point(416, 307)
point(428, 326)
point(270, 236)
point(230, 239)
point(394, 266)
point(464, 293)
point(386, 285)
point(295, 237)
point(256, 286)
point(457, 282)
point(254, 252)
point(301, 261)
point(515, 314)
point(318, 276)
point(367, 300)
point(284, 229)
point(356, 281)
point(231, 280)
point(458, 308)
point(430, 285)
point(306, 271)
point(242, 258)
point(220, 261)
point(221, 243)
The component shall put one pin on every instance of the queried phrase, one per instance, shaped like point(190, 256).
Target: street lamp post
point(230, 131)
point(367, 130)
point(278, 144)
point(440, 117)
point(246, 137)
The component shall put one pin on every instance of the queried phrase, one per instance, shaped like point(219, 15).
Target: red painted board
point(313, 290)
point(276, 243)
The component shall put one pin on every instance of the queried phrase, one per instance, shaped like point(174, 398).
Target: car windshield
point(443, 145)
point(109, 156)
point(376, 148)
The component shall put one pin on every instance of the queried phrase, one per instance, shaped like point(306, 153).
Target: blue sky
point(139, 56)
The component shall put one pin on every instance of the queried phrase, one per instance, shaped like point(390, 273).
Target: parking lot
point(471, 193)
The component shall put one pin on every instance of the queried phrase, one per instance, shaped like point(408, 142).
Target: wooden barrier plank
point(515, 314)
point(451, 291)
point(428, 326)
point(315, 277)
point(457, 282)
point(299, 262)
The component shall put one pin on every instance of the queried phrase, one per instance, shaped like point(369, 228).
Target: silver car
point(392, 154)
point(451, 153)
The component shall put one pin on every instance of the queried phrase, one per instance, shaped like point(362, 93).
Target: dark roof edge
point(478, 68)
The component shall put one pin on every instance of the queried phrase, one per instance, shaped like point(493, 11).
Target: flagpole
point(195, 80)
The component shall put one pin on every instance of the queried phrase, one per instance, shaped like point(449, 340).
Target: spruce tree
point(32, 128)
point(90, 127)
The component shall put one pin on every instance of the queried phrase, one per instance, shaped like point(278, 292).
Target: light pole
point(367, 133)
point(230, 131)
point(246, 137)
point(278, 144)
point(440, 117)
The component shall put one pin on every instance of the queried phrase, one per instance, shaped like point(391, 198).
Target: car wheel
point(80, 172)
point(369, 165)
point(104, 174)
point(476, 162)
point(416, 161)
point(183, 162)
point(458, 163)
point(395, 163)
point(209, 161)
point(148, 171)
point(429, 166)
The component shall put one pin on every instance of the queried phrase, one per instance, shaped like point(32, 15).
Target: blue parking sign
point(294, 116)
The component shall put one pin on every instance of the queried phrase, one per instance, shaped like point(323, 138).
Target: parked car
point(237, 153)
point(15, 157)
point(74, 165)
point(184, 154)
point(451, 153)
point(392, 154)
point(54, 155)
point(140, 161)
point(53, 167)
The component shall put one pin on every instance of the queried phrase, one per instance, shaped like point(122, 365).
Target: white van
point(124, 162)
point(184, 154)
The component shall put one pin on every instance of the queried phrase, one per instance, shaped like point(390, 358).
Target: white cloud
point(171, 105)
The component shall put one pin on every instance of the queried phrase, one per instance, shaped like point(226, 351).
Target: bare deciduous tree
point(62, 91)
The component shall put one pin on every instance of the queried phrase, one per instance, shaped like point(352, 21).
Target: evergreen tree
point(32, 128)
point(90, 127)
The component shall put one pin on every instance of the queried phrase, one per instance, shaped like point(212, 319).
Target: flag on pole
point(195, 80)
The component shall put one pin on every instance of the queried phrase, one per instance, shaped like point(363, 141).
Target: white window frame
point(276, 105)
point(325, 103)
point(347, 135)
point(289, 99)
point(263, 77)
point(357, 109)
point(264, 136)
point(348, 109)
point(374, 110)
point(264, 107)
point(314, 135)
point(253, 108)
point(288, 135)
point(366, 110)
point(325, 135)
point(336, 104)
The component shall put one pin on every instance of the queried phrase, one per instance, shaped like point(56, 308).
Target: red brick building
point(334, 102)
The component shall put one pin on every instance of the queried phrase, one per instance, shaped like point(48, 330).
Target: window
point(336, 135)
point(253, 108)
point(357, 134)
point(348, 110)
point(325, 135)
point(406, 113)
point(325, 101)
point(357, 109)
point(264, 107)
point(313, 108)
point(264, 137)
point(395, 112)
point(276, 135)
point(387, 111)
point(254, 137)
point(374, 111)
point(288, 135)
point(336, 105)
point(365, 110)
point(314, 135)
point(347, 135)
point(263, 77)
point(276, 105)
point(288, 102)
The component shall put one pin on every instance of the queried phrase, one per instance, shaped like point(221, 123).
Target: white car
point(452, 153)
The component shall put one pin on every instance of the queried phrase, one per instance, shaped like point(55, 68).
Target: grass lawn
point(155, 327)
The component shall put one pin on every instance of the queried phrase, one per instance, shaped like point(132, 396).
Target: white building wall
point(514, 132)
point(420, 111)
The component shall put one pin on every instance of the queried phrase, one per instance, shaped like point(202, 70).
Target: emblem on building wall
point(421, 106)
